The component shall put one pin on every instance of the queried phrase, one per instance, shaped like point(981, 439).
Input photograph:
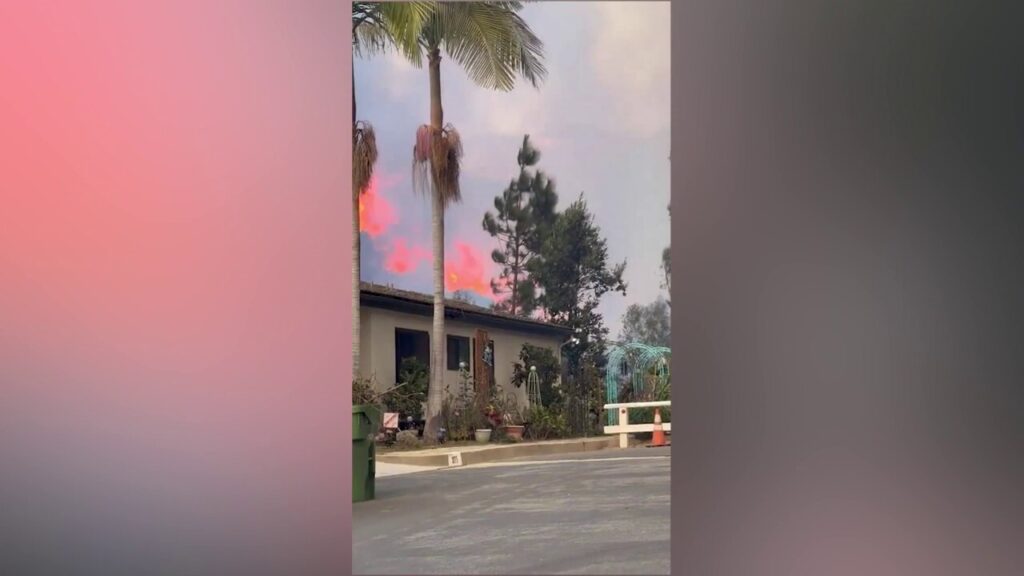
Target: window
point(411, 344)
point(458, 351)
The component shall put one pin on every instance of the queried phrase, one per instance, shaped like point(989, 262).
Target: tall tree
point(647, 324)
point(666, 266)
point(574, 273)
point(494, 46)
point(376, 27)
point(522, 210)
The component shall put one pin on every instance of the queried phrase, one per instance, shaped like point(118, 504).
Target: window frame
point(464, 354)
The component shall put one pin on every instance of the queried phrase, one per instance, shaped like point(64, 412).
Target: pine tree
point(524, 213)
point(574, 274)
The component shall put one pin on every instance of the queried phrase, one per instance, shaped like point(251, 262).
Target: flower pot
point(483, 436)
point(515, 432)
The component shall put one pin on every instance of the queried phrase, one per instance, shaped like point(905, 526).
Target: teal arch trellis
point(633, 360)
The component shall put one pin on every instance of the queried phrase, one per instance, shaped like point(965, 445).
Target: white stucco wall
point(377, 346)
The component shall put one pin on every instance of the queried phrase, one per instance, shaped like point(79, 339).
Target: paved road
point(601, 512)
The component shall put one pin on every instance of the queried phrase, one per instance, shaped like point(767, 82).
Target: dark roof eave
point(412, 305)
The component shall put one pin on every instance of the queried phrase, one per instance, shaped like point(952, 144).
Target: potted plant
point(489, 417)
point(483, 435)
point(493, 414)
point(512, 418)
point(474, 408)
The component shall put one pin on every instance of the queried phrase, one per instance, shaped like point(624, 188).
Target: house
point(397, 324)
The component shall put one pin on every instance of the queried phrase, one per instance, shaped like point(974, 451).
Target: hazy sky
point(601, 121)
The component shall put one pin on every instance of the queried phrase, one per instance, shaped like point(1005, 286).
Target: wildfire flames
point(466, 268)
point(466, 271)
point(403, 260)
point(376, 214)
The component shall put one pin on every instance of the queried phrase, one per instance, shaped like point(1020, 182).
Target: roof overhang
point(410, 305)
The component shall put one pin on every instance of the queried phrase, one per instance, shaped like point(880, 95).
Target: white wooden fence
point(624, 428)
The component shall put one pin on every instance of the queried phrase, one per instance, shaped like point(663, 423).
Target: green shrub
point(546, 423)
point(548, 371)
point(462, 413)
point(654, 391)
point(408, 396)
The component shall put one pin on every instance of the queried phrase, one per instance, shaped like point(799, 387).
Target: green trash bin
point(365, 423)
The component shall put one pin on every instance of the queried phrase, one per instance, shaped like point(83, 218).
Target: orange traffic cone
point(658, 438)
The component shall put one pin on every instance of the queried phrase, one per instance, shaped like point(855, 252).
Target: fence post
point(623, 421)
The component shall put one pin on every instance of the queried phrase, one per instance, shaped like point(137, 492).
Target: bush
point(407, 397)
point(462, 413)
point(508, 408)
point(654, 391)
point(458, 421)
point(544, 423)
point(363, 392)
point(548, 371)
point(408, 439)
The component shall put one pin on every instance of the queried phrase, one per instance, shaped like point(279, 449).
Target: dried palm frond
point(437, 160)
point(421, 151)
point(421, 160)
point(364, 156)
point(446, 160)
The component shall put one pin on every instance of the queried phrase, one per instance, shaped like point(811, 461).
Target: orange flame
point(404, 260)
point(466, 272)
point(376, 214)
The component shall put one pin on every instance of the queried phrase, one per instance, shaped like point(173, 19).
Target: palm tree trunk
point(437, 340)
point(356, 282)
point(356, 273)
point(436, 111)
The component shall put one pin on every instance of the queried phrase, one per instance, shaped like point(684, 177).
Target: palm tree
point(376, 27)
point(494, 45)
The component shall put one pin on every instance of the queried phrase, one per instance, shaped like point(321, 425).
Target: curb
point(501, 452)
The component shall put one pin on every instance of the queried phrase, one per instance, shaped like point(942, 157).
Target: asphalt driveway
point(603, 512)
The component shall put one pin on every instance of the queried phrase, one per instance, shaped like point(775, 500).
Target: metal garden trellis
point(533, 388)
point(634, 360)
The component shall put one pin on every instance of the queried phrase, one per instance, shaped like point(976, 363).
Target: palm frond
point(369, 40)
point(446, 165)
point(421, 160)
point(437, 162)
point(489, 40)
point(364, 156)
point(421, 151)
point(404, 22)
point(380, 26)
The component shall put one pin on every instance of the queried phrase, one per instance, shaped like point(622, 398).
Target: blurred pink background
point(174, 283)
